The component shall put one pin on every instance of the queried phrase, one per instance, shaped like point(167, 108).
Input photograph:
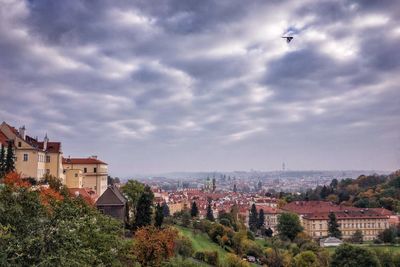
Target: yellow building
point(368, 221)
point(33, 158)
point(94, 172)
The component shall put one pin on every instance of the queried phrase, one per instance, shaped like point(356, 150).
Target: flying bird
point(288, 38)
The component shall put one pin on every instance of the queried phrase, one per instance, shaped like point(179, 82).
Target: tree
point(166, 211)
point(210, 214)
point(133, 190)
point(159, 217)
point(214, 184)
point(289, 225)
point(9, 165)
point(53, 182)
point(333, 226)
point(144, 208)
point(261, 219)
point(231, 260)
point(153, 246)
point(194, 211)
point(183, 246)
point(269, 232)
point(253, 218)
point(2, 161)
point(357, 237)
point(348, 255)
point(388, 235)
point(43, 231)
point(306, 259)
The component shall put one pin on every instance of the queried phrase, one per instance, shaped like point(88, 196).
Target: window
point(25, 157)
point(48, 171)
point(47, 158)
point(19, 144)
point(85, 170)
point(94, 169)
point(76, 175)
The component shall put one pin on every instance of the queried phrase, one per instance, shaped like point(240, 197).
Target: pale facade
point(369, 223)
point(94, 172)
point(34, 158)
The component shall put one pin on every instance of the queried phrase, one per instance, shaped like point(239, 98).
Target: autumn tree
point(153, 246)
point(333, 226)
point(306, 259)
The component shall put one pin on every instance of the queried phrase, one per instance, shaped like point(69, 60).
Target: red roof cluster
point(307, 207)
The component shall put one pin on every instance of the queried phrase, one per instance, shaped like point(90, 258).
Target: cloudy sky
point(158, 86)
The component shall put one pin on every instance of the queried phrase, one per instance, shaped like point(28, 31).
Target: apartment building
point(314, 218)
point(33, 158)
point(91, 172)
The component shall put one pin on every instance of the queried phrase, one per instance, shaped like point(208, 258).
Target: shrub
point(183, 246)
point(231, 260)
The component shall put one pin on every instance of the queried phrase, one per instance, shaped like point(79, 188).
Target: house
point(113, 203)
point(86, 173)
point(330, 242)
point(33, 158)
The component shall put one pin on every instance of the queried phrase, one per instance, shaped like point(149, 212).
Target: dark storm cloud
point(175, 79)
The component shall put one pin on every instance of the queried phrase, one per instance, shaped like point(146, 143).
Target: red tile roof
point(52, 147)
point(82, 161)
point(87, 194)
point(348, 214)
point(3, 139)
point(306, 207)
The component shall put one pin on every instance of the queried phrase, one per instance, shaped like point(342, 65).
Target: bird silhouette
point(288, 38)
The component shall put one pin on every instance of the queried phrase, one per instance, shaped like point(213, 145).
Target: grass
point(201, 242)
point(391, 248)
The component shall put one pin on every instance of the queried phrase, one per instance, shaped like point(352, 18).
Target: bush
point(199, 255)
point(179, 262)
point(211, 257)
point(183, 246)
point(305, 259)
point(232, 260)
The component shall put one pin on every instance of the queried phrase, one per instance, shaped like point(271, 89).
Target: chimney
point(45, 141)
point(93, 157)
point(22, 132)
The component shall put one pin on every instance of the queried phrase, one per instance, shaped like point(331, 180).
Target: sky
point(171, 85)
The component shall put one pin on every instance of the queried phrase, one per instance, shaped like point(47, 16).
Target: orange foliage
point(14, 179)
point(153, 246)
point(47, 195)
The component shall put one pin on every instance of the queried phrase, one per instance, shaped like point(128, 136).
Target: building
point(33, 158)
point(113, 203)
point(90, 172)
point(314, 218)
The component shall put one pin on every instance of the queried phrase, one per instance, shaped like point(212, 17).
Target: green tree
point(9, 165)
point(132, 190)
point(289, 225)
point(348, 256)
point(306, 259)
point(210, 214)
point(183, 246)
point(159, 217)
point(357, 237)
point(253, 218)
point(144, 208)
point(333, 226)
point(388, 235)
point(261, 219)
point(166, 211)
point(2, 161)
point(194, 211)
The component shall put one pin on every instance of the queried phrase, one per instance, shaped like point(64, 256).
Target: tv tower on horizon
point(283, 166)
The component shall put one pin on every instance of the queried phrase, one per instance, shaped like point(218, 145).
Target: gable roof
point(3, 139)
point(82, 161)
point(111, 197)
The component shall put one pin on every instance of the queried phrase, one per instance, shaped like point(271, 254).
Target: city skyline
point(189, 86)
